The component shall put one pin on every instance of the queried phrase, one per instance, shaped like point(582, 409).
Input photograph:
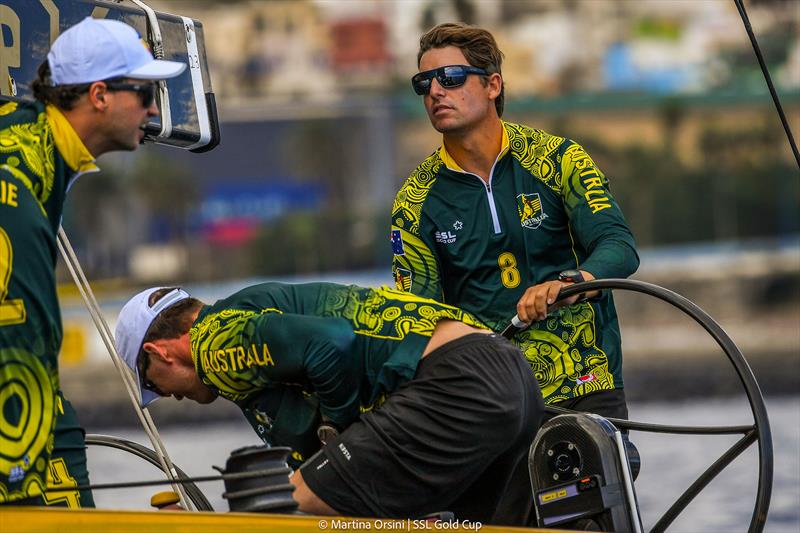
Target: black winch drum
point(267, 492)
point(581, 476)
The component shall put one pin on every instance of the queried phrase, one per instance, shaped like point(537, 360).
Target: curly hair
point(61, 96)
point(478, 46)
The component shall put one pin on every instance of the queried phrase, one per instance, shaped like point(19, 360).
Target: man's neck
point(82, 124)
point(476, 150)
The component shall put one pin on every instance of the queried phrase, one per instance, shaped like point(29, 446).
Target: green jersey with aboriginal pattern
point(40, 155)
point(340, 348)
point(479, 245)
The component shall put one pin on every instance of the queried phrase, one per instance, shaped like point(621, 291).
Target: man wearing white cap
point(94, 94)
point(421, 409)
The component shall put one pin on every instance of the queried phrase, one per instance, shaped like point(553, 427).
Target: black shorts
point(448, 440)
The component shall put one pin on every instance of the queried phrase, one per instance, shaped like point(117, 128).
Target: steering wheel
point(192, 491)
point(758, 432)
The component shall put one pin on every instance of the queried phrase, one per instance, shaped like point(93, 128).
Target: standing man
point(94, 94)
point(502, 216)
point(421, 409)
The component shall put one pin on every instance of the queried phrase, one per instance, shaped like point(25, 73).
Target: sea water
point(670, 463)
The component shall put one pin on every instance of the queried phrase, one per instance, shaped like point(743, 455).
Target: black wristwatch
point(571, 276)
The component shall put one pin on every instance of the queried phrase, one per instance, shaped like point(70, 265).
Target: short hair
point(478, 46)
point(175, 320)
point(61, 96)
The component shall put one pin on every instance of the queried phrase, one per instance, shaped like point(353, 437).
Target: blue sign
point(257, 202)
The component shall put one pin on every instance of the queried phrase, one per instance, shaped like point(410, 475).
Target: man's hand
point(540, 299)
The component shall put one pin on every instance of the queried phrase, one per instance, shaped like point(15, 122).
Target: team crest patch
point(402, 279)
point(530, 210)
point(397, 243)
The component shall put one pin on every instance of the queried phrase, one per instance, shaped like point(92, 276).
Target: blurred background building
point(320, 127)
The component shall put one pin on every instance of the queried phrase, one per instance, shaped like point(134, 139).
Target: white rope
point(125, 372)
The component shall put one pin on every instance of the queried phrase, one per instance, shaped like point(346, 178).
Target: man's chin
point(205, 399)
point(445, 126)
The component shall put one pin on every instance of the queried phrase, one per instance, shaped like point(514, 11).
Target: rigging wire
point(74, 267)
point(765, 71)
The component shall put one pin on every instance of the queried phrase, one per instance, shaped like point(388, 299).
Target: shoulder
point(423, 177)
point(573, 152)
point(14, 113)
point(525, 141)
point(538, 152)
point(410, 198)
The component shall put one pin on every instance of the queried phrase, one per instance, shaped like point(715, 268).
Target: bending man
point(433, 409)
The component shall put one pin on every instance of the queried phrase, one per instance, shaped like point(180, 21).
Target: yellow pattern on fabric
point(214, 361)
point(536, 152)
point(27, 440)
point(407, 207)
point(564, 350)
point(391, 314)
point(8, 108)
point(34, 143)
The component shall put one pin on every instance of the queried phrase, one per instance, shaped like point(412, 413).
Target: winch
point(582, 472)
point(268, 492)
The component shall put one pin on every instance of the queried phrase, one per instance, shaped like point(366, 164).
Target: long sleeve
point(596, 220)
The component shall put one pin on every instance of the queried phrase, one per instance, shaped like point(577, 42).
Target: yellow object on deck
point(60, 520)
point(162, 499)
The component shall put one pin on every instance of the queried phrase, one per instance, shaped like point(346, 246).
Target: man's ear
point(155, 349)
point(98, 95)
point(495, 84)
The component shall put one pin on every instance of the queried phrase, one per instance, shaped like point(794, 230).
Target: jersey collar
point(69, 144)
point(450, 163)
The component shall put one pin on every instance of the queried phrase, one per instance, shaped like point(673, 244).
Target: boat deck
point(58, 520)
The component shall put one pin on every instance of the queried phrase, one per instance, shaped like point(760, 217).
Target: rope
point(125, 373)
point(765, 71)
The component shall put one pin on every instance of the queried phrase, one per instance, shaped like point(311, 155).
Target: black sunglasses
point(448, 77)
point(142, 364)
point(146, 91)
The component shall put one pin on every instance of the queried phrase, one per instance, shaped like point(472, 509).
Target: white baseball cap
point(132, 324)
point(100, 49)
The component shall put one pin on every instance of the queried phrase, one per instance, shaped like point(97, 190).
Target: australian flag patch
point(397, 242)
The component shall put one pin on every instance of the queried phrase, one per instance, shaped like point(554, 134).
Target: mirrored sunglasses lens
point(452, 76)
point(421, 83)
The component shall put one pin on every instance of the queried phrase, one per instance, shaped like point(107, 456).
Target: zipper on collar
point(492, 206)
point(450, 163)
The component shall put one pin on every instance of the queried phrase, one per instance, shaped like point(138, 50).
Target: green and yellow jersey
point(40, 155)
point(283, 351)
point(479, 246)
